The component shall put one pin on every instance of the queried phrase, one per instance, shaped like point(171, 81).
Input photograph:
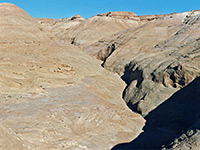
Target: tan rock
point(90, 30)
point(142, 37)
point(95, 28)
point(77, 17)
point(56, 26)
point(9, 140)
point(54, 96)
point(19, 27)
point(119, 14)
point(140, 55)
point(163, 83)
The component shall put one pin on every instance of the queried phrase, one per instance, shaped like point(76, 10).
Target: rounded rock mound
point(17, 26)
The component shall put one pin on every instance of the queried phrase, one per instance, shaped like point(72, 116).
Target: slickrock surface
point(57, 26)
point(160, 64)
point(140, 38)
point(77, 17)
point(53, 96)
point(158, 58)
point(83, 33)
point(103, 25)
point(20, 27)
point(120, 15)
point(97, 27)
point(148, 58)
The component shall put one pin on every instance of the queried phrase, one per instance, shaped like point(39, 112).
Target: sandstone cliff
point(20, 27)
point(174, 124)
point(97, 27)
point(53, 96)
point(57, 26)
point(159, 62)
point(151, 50)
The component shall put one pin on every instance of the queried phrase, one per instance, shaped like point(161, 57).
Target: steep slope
point(162, 81)
point(164, 69)
point(19, 27)
point(57, 26)
point(143, 37)
point(163, 85)
point(176, 121)
point(53, 96)
point(138, 54)
point(83, 33)
point(159, 62)
point(97, 27)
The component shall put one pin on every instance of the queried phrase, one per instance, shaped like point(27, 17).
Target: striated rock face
point(120, 15)
point(164, 69)
point(176, 121)
point(85, 33)
point(103, 26)
point(151, 65)
point(53, 96)
point(143, 37)
point(159, 62)
point(8, 140)
point(57, 26)
point(77, 17)
point(95, 28)
point(19, 27)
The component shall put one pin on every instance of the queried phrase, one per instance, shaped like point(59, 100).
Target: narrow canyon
point(113, 81)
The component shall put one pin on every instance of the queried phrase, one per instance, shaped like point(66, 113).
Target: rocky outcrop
point(90, 31)
point(158, 60)
point(57, 26)
point(95, 28)
point(142, 37)
point(77, 17)
point(54, 96)
point(20, 27)
point(188, 140)
point(85, 33)
point(177, 120)
point(151, 65)
point(119, 14)
point(162, 77)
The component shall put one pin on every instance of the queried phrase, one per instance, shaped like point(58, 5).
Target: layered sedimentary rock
point(85, 33)
point(174, 124)
point(142, 37)
point(77, 17)
point(159, 62)
point(57, 26)
point(103, 25)
point(120, 15)
point(97, 27)
point(145, 52)
point(20, 27)
point(53, 96)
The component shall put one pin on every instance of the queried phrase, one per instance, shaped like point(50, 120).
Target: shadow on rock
point(168, 120)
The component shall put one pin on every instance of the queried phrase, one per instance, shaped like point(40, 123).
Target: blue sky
point(89, 8)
